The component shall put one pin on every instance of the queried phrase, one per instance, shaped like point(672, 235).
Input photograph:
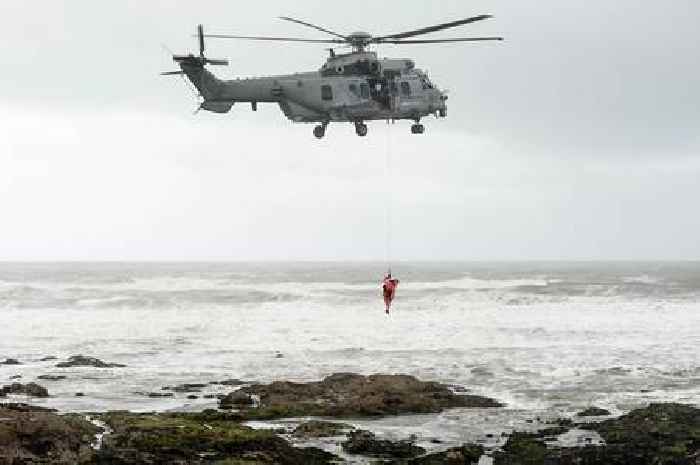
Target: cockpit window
point(405, 89)
point(326, 92)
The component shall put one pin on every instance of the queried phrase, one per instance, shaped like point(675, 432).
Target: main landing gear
point(360, 129)
point(417, 129)
point(320, 130)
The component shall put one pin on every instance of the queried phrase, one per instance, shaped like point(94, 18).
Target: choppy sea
point(545, 338)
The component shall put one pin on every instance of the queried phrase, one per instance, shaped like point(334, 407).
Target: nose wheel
point(361, 129)
point(417, 129)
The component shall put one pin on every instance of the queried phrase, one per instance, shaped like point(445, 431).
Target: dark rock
point(15, 377)
point(49, 358)
point(593, 412)
point(205, 438)
point(230, 382)
point(467, 454)
point(79, 394)
point(192, 397)
point(522, 449)
point(29, 389)
point(51, 377)
point(34, 436)
point(364, 442)
point(320, 429)
point(236, 399)
point(10, 361)
point(661, 434)
point(187, 387)
point(20, 407)
point(160, 394)
point(214, 396)
point(279, 355)
point(347, 395)
point(83, 361)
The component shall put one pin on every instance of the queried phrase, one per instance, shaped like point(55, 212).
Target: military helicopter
point(351, 87)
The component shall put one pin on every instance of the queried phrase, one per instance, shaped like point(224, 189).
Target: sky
point(577, 138)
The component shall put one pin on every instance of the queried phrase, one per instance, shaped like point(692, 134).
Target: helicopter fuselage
point(355, 87)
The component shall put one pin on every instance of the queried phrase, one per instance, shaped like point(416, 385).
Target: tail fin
point(207, 84)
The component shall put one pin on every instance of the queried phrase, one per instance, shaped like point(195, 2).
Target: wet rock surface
point(661, 434)
point(236, 399)
point(85, 361)
point(10, 361)
point(319, 429)
point(51, 377)
point(29, 389)
point(364, 442)
point(35, 436)
point(466, 454)
point(348, 394)
point(593, 412)
point(196, 438)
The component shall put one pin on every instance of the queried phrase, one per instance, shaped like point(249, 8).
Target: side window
point(353, 89)
point(326, 92)
point(405, 89)
point(364, 90)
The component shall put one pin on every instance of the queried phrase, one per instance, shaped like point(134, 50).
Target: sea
point(546, 338)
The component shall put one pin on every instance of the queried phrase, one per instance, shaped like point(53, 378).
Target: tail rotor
point(195, 61)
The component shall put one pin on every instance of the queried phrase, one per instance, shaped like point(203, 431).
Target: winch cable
point(388, 200)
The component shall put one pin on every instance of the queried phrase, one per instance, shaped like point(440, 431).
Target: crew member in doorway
point(389, 285)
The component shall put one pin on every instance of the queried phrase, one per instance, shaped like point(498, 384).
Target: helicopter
point(352, 87)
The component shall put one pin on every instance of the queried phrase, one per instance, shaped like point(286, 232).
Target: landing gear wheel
point(319, 132)
point(417, 129)
point(361, 129)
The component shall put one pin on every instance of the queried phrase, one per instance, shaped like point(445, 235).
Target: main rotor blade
point(440, 41)
point(318, 28)
point(438, 27)
point(171, 73)
point(280, 39)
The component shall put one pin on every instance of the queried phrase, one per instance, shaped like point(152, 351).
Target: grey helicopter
point(350, 87)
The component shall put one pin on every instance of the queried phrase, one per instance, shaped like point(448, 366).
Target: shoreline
point(338, 420)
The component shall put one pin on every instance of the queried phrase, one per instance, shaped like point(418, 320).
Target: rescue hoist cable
point(387, 200)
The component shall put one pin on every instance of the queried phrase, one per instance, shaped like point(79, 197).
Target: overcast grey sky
point(577, 138)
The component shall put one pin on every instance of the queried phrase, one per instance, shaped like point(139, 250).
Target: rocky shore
point(659, 434)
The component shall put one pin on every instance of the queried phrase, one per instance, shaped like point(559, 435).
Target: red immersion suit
point(389, 290)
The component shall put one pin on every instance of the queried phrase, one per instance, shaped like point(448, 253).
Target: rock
point(48, 358)
point(159, 394)
point(187, 387)
point(83, 361)
point(522, 449)
point(364, 442)
point(279, 355)
point(236, 399)
point(593, 412)
point(320, 429)
point(79, 394)
point(230, 382)
point(192, 397)
point(21, 407)
point(35, 436)
point(208, 437)
point(15, 377)
point(51, 377)
point(214, 396)
point(661, 434)
point(347, 395)
point(29, 389)
point(467, 454)
point(10, 361)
